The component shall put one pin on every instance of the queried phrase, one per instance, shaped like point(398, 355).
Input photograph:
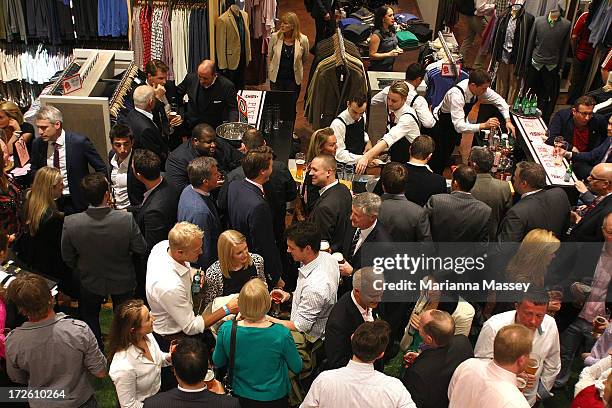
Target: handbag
point(229, 376)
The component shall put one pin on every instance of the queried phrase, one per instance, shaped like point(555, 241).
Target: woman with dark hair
point(136, 359)
point(15, 133)
point(10, 201)
point(383, 41)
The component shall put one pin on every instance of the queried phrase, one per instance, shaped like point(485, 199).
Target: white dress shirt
point(259, 186)
point(545, 345)
point(135, 376)
point(61, 143)
point(405, 126)
point(327, 187)
point(339, 128)
point(454, 103)
point(482, 383)
point(168, 290)
point(357, 385)
point(414, 100)
point(147, 114)
point(365, 313)
point(119, 177)
point(148, 192)
point(363, 235)
point(315, 294)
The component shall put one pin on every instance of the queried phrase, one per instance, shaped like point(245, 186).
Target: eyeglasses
point(585, 114)
point(591, 177)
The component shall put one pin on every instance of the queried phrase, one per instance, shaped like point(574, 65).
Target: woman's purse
point(229, 376)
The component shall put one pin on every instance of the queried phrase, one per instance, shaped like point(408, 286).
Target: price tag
point(72, 83)
point(447, 69)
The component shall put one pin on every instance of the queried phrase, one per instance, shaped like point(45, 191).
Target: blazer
point(300, 56)
point(458, 217)
point(428, 378)
point(596, 155)
point(562, 124)
point(404, 220)
point(589, 227)
point(547, 209)
point(147, 135)
point(363, 257)
point(250, 214)
point(157, 214)
point(213, 105)
point(176, 398)
point(497, 195)
point(98, 244)
point(227, 39)
point(80, 154)
point(332, 213)
point(135, 188)
point(342, 322)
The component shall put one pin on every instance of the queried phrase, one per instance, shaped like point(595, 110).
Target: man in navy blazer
point(71, 153)
point(126, 189)
point(250, 214)
point(600, 154)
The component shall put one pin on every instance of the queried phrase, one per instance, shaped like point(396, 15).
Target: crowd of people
point(219, 300)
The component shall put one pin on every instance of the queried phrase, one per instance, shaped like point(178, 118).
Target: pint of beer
point(300, 162)
point(533, 363)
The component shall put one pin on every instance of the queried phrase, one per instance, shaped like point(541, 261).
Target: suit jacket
point(227, 39)
point(363, 256)
point(250, 214)
point(458, 217)
point(428, 378)
point(135, 188)
point(214, 105)
point(228, 158)
point(157, 214)
point(562, 124)
point(404, 220)
point(147, 135)
point(497, 195)
point(98, 245)
point(596, 155)
point(547, 209)
point(332, 213)
point(176, 398)
point(589, 227)
point(342, 322)
point(421, 184)
point(80, 154)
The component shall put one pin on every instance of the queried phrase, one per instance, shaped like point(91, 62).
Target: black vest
point(353, 136)
point(400, 150)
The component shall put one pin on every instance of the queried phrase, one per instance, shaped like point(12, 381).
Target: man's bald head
point(143, 97)
point(437, 327)
point(206, 73)
point(600, 180)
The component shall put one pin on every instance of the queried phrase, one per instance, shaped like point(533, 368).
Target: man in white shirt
point(125, 188)
point(317, 284)
point(452, 115)
point(530, 312)
point(349, 128)
point(358, 384)
point(493, 383)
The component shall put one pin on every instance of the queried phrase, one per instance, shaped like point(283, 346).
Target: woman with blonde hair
point(235, 267)
point(287, 54)
point(39, 244)
point(531, 261)
point(15, 132)
point(265, 351)
point(136, 359)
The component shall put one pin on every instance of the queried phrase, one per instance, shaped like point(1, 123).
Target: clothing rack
point(341, 62)
point(449, 54)
point(118, 98)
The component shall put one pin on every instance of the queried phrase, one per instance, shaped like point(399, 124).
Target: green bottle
point(568, 174)
point(525, 104)
point(534, 105)
point(517, 103)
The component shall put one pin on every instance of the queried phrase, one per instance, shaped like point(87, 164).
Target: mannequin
point(233, 41)
point(547, 50)
point(510, 49)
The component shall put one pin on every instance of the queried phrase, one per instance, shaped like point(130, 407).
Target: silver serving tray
point(232, 131)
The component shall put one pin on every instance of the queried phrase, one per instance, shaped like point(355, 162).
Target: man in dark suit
point(430, 371)
point(212, 97)
point(587, 226)
point(404, 220)
point(190, 363)
point(69, 152)
point(323, 13)
point(599, 154)
point(146, 133)
point(538, 208)
point(491, 191)
point(98, 245)
point(458, 216)
point(203, 142)
point(125, 188)
point(250, 213)
point(351, 310)
point(332, 210)
point(421, 182)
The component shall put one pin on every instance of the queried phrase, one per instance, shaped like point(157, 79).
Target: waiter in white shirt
point(453, 110)
point(349, 128)
point(402, 128)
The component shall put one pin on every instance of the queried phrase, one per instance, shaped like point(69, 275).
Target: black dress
point(238, 279)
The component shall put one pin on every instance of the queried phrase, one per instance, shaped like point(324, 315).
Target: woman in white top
point(136, 357)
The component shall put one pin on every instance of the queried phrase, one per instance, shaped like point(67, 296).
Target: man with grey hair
point(365, 229)
point(351, 310)
point(64, 150)
point(491, 191)
point(146, 133)
point(198, 207)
